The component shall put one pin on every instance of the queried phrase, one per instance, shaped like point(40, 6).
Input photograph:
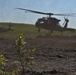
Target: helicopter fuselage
point(48, 23)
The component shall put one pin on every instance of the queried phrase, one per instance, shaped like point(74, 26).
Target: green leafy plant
point(25, 60)
point(15, 70)
point(3, 64)
point(29, 57)
point(19, 45)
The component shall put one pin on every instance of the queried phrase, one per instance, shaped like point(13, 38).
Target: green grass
point(29, 31)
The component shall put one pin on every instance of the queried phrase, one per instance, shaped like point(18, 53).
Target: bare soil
point(54, 55)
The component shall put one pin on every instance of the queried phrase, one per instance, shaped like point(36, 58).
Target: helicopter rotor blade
point(34, 11)
point(66, 14)
point(63, 14)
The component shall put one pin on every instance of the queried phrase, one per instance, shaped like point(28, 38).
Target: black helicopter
point(51, 23)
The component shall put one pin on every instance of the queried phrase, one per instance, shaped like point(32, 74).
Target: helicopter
point(51, 23)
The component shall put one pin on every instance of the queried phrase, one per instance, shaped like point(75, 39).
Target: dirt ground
point(54, 55)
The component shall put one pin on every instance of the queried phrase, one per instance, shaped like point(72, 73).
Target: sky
point(9, 13)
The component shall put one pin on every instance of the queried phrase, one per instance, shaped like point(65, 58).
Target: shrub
point(25, 61)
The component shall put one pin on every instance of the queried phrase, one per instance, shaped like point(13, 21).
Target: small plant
point(29, 57)
point(19, 46)
point(25, 60)
point(15, 70)
point(3, 64)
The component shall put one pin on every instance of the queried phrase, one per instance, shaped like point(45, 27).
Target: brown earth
point(54, 55)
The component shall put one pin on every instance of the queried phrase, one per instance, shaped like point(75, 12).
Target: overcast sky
point(8, 13)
